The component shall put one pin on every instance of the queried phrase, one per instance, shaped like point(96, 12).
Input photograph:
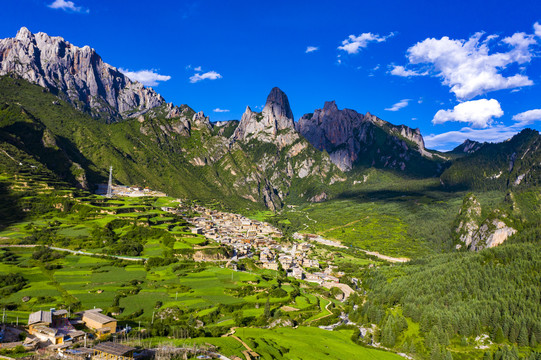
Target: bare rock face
point(476, 234)
point(274, 124)
point(319, 198)
point(277, 107)
point(491, 234)
point(89, 83)
point(469, 214)
point(340, 132)
point(413, 135)
point(347, 136)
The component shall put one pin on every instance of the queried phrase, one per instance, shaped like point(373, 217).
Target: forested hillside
point(490, 298)
point(509, 164)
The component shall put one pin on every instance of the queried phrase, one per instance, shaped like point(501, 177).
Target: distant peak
point(278, 101)
point(24, 33)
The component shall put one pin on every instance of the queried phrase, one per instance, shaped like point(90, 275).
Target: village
point(250, 237)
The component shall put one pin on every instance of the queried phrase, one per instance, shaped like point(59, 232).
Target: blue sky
point(456, 70)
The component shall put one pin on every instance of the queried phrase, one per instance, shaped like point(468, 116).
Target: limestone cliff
point(275, 124)
point(474, 232)
point(280, 153)
point(352, 138)
point(87, 82)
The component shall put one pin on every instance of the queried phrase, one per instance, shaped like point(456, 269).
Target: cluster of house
point(247, 236)
point(54, 328)
point(292, 259)
point(242, 234)
point(56, 334)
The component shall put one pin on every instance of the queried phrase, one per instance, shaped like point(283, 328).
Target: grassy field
point(408, 218)
point(287, 343)
point(85, 282)
point(302, 343)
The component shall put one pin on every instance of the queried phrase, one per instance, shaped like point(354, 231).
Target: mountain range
point(76, 115)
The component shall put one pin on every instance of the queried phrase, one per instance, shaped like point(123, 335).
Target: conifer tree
point(499, 337)
point(513, 333)
point(523, 336)
point(533, 341)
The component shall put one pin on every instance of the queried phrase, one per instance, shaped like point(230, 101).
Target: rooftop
point(97, 317)
point(114, 348)
point(40, 316)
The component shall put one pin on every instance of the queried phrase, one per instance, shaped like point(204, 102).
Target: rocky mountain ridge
point(265, 158)
point(352, 139)
point(280, 152)
point(89, 83)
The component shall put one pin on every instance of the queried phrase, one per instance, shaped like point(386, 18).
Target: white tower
point(110, 184)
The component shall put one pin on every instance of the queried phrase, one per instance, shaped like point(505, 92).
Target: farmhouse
point(40, 318)
point(102, 324)
point(44, 326)
point(112, 351)
point(46, 334)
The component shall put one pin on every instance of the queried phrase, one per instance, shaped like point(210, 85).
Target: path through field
point(326, 308)
point(248, 350)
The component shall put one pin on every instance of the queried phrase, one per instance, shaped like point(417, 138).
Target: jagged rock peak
point(330, 106)
point(269, 125)
point(87, 82)
point(24, 33)
point(279, 103)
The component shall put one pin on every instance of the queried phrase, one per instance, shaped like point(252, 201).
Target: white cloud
point(468, 67)
point(145, 77)
point(537, 29)
point(353, 44)
point(67, 6)
point(210, 75)
point(399, 70)
point(479, 113)
point(527, 117)
point(399, 105)
point(218, 110)
point(197, 68)
point(310, 49)
point(449, 140)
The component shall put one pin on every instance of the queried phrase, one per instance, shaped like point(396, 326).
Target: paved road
point(78, 252)
point(323, 241)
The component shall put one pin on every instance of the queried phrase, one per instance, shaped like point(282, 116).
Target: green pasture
point(300, 343)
